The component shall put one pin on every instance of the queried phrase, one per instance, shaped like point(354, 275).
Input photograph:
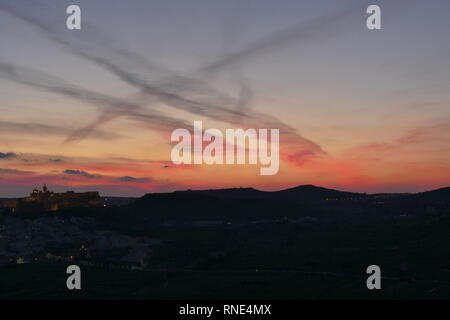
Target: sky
point(93, 109)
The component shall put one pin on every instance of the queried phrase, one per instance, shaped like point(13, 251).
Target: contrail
point(39, 128)
point(43, 81)
point(316, 29)
point(174, 91)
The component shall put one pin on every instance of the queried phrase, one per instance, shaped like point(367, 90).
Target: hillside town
point(58, 239)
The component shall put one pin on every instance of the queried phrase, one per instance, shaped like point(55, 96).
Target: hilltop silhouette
point(300, 194)
point(303, 193)
point(250, 203)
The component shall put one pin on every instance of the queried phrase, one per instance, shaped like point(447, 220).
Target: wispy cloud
point(43, 81)
point(14, 171)
point(133, 179)
point(187, 93)
point(81, 173)
point(193, 93)
point(7, 155)
point(45, 129)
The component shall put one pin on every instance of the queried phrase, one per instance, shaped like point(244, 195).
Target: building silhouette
point(46, 200)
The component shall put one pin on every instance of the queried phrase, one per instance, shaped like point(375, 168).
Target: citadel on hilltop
point(45, 200)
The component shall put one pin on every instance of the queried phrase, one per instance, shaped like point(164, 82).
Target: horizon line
point(252, 188)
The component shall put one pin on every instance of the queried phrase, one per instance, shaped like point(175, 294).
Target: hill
point(300, 194)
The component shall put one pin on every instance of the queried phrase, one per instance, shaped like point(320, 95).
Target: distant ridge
point(303, 193)
point(441, 193)
point(235, 193)
point(251, 204)
point(299, 195)
point(311, 192)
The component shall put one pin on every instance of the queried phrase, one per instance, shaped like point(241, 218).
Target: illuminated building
point(45, 200)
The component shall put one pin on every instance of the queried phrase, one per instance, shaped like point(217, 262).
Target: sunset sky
point(93, 109)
